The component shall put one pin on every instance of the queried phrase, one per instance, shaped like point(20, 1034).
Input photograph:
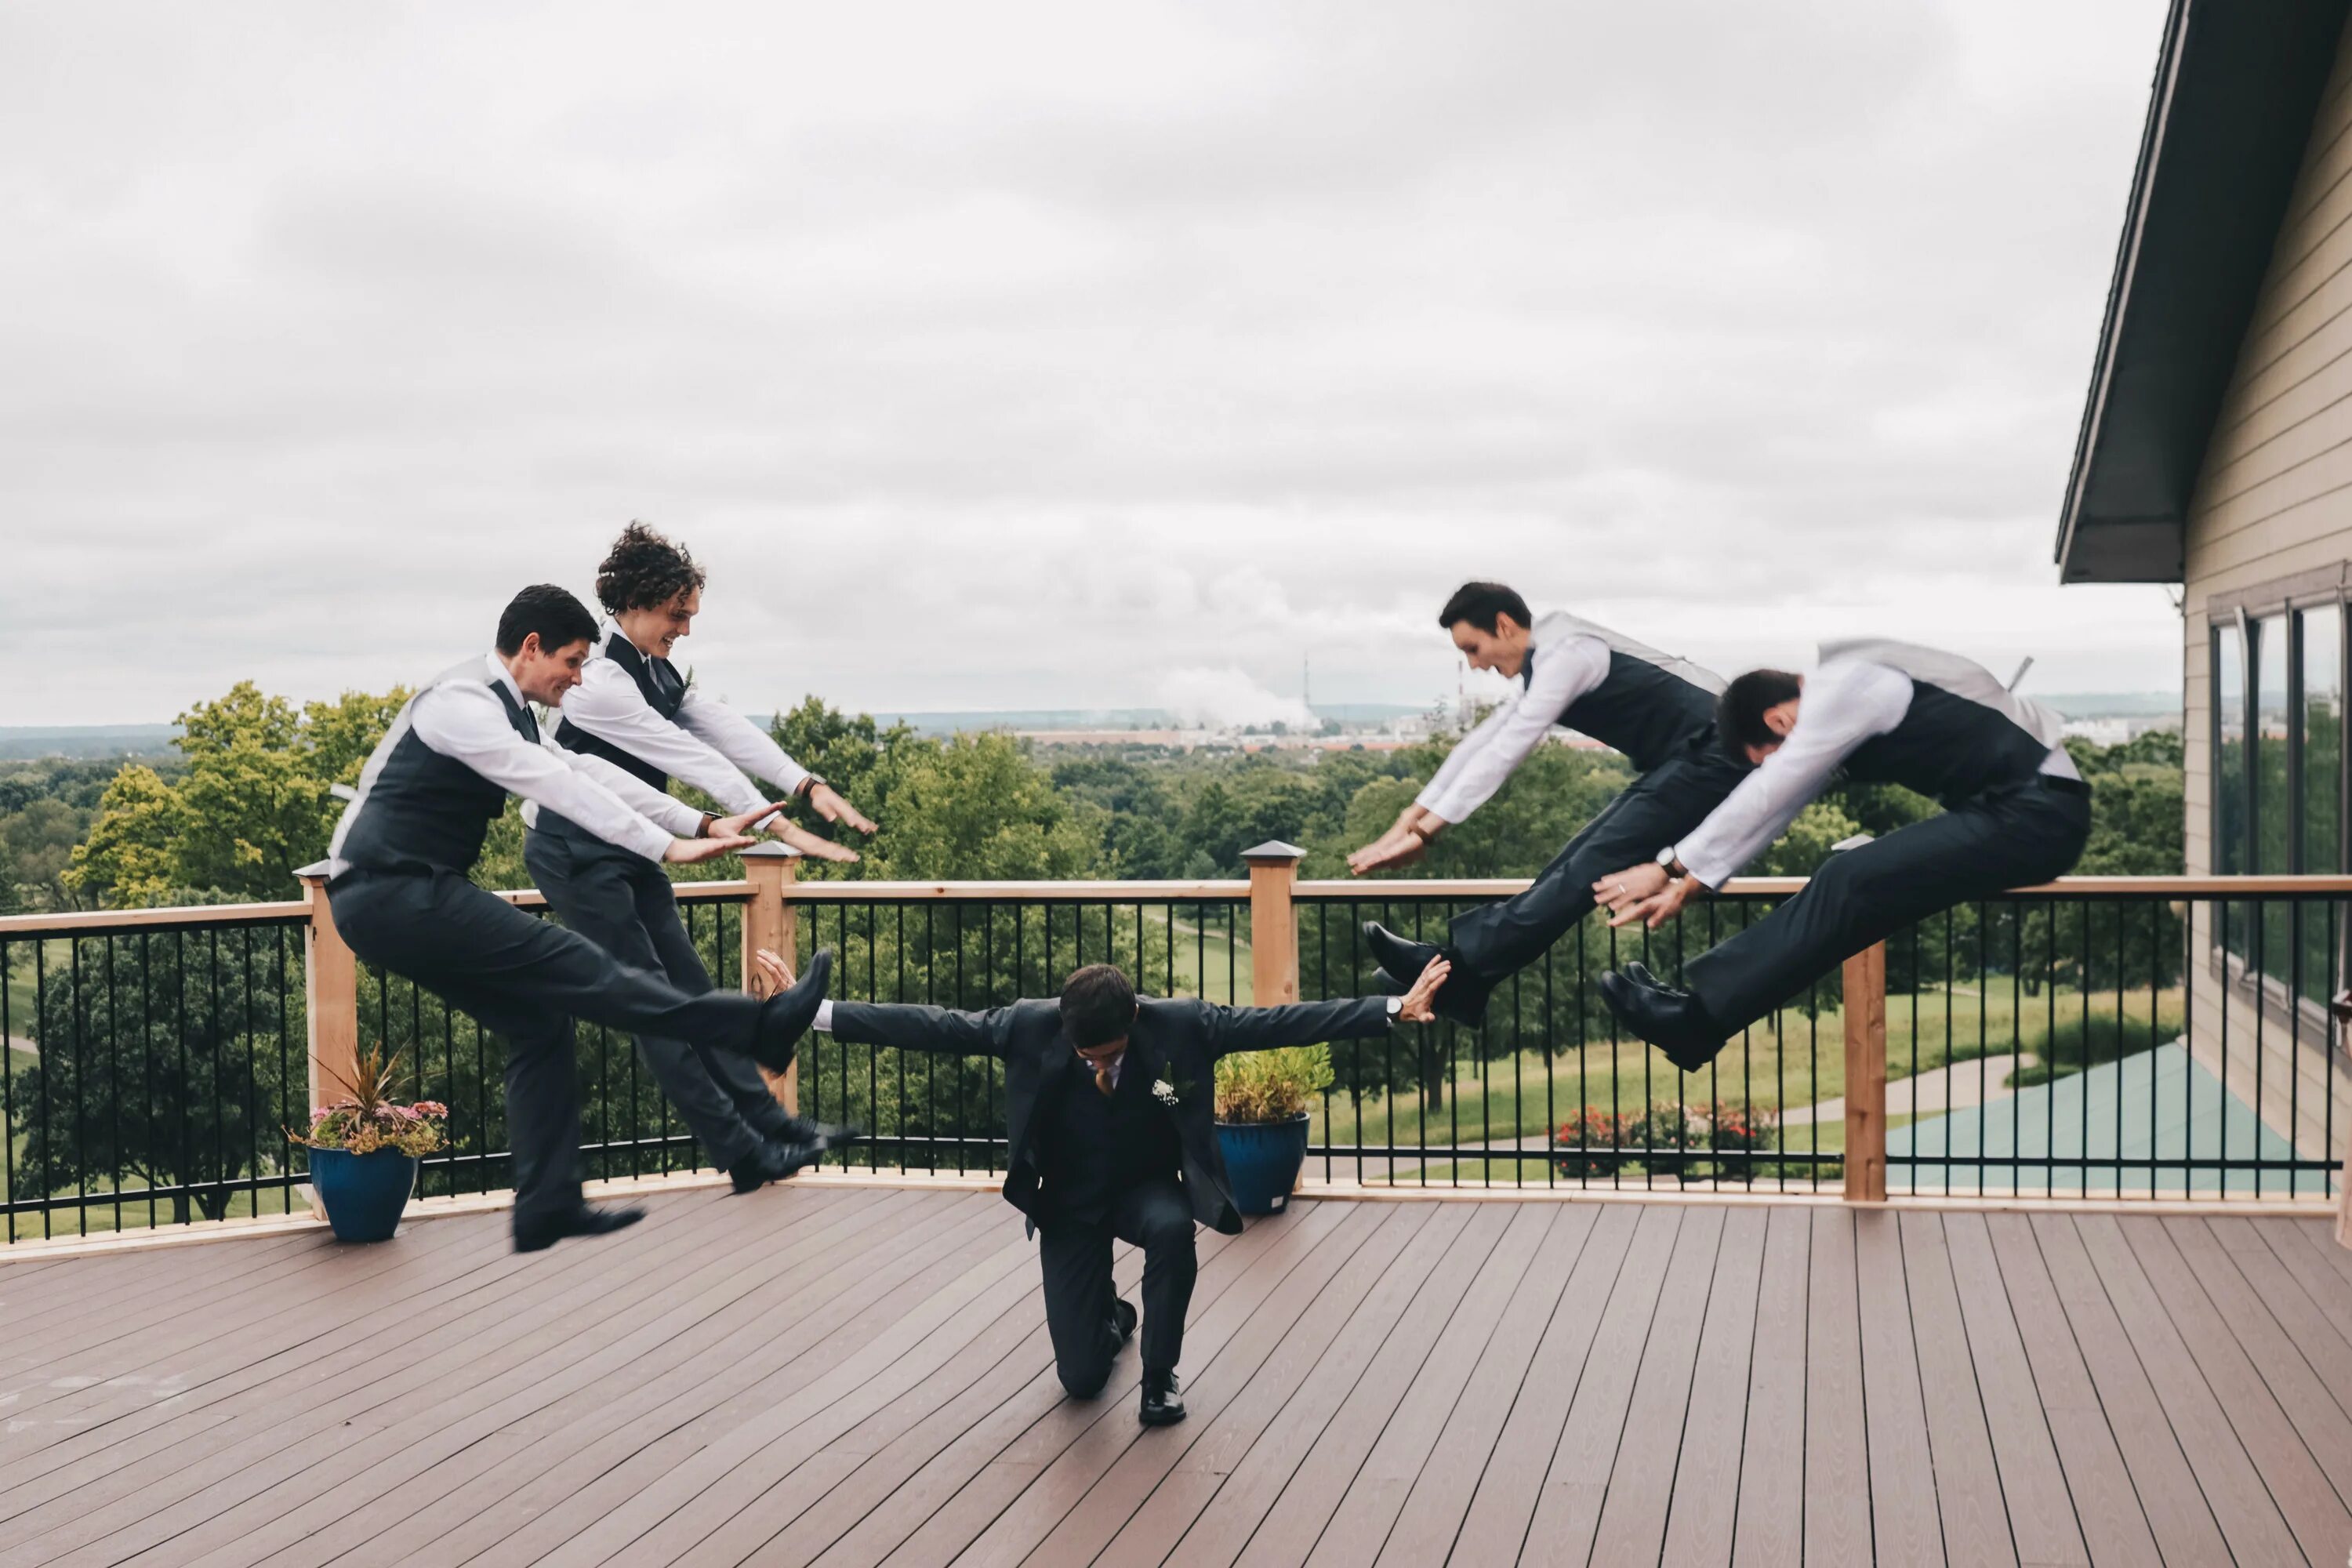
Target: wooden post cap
point(769, 849)
point(1274, 852)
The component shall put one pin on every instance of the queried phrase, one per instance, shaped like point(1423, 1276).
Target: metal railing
point(2099, 1038)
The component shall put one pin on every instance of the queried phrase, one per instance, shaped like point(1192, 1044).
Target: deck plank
point(1903, 1507)
point(1837, 1434)
point(1769, 1532)
point(1969, 1504)
point(857, 1376)
point(2298, 1487)
point(2039, 1526)
point(1703, 1509)
point(2180, 1516)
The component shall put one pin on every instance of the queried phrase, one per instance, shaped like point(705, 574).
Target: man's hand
point(758, 820)
point(833, 808)
point(814, 846)
point(770, 973)
point(1646, 894)
point(1417, 1009)
point(1621, 891)
point(688, 851)
point(1394, 847)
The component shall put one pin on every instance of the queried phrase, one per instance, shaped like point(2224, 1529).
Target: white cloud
point(1015, 356)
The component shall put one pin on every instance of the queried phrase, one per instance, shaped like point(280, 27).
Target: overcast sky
point(1051, 355)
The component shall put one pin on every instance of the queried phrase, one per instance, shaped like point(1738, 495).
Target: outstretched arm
point(1306, 1023)
point(907, 1024)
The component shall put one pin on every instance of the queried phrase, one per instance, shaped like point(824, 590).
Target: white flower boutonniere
point(1163, 1091)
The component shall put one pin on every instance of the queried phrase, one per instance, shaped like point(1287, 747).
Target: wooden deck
point(860, 1375)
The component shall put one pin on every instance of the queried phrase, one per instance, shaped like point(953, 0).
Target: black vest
point(419, 810)
point(1097, 1146)
point(665, 692)
point(1649, 706)
point(1963, 734)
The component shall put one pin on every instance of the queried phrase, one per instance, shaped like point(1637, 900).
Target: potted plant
point(365, 1152)
point(1262, 1099)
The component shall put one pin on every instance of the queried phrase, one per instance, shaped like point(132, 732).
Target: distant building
point(2216, 453)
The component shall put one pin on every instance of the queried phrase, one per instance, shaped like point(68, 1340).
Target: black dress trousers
point(625, 905)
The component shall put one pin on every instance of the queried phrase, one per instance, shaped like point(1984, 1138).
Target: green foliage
point(1255, 1087)
point(251, 806)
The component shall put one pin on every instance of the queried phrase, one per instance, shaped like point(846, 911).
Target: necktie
point(1102, 1076)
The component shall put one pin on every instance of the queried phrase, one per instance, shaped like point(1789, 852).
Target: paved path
point(1979, 1082)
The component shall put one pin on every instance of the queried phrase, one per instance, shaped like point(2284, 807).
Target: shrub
point(1587, 1142)
point(1255, 1087)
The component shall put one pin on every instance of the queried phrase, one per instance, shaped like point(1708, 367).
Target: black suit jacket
point(1176, 1042)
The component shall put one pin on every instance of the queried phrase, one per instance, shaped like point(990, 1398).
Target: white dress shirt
point(709, 745)
point(1565, 670)
point(465, 723)
point(1845, 702)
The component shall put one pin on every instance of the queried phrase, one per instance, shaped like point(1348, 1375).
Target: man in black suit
point(1107, 1106)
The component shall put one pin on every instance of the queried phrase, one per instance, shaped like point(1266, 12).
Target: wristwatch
point(1672, 867)
point(707, 818)
point(1396, 1008)
point(809, 784)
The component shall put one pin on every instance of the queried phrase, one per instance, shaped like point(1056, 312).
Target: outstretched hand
point(770, 973)
point(688, 851)
point(1397, 847)
point(1644, 893)
point(759, 819)
point(833, 808)
point(1419, 1003)
point(815, 846)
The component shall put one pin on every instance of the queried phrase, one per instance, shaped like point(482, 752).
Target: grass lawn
point(1802, 1063)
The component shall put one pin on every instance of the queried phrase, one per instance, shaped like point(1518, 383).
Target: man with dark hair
point(1108, 1106)
point(2016, 813)
point(1658, 709)
point(634, 709)
point(397, 887)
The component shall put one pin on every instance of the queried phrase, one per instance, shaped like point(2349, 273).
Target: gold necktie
point(1102, 1076)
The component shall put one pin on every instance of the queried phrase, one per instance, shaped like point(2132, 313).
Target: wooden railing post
point(1273, 922)
point(1865, 1075)
point(331, 1001)
point(770, 920)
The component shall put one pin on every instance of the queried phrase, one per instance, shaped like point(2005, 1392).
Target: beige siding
point(2274, 500)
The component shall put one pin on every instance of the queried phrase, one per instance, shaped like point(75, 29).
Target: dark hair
point(1098, 1006)
point(1480, 603)
point(643, 571)
point(551, 611)
point(1739, 711)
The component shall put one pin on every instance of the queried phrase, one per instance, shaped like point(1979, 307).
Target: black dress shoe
point(537, 1233)
point(1161, 1405)
point(773, 1161)
point(1461, 1000)
point(1124, 1317)
point(785, 1016)
point(1673, 1021)
point(819, 1135)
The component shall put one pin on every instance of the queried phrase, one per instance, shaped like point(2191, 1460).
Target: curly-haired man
point(634, 709)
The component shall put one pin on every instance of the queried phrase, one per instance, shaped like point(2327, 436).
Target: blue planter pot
point(364, 1194)
point(1261, 1162)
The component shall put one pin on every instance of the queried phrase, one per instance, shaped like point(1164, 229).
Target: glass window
point(2322, 846)
point(2273, 801)
point(2230, 772)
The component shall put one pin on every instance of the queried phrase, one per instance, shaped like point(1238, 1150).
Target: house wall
point(2271, 519)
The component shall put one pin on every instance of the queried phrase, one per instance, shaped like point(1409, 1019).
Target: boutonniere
point(1163, 1091)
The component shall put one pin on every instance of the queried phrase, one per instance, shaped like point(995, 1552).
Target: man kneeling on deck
point(1107, 1105)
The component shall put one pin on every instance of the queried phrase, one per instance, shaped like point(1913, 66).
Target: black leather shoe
point(1461, 1000)
point(1124, 1317)
point(1673, 1021)
point(538, 1233)
point(820, 1135)
point(785, 1016)
point(1161, 1405)
point(773, 1161)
